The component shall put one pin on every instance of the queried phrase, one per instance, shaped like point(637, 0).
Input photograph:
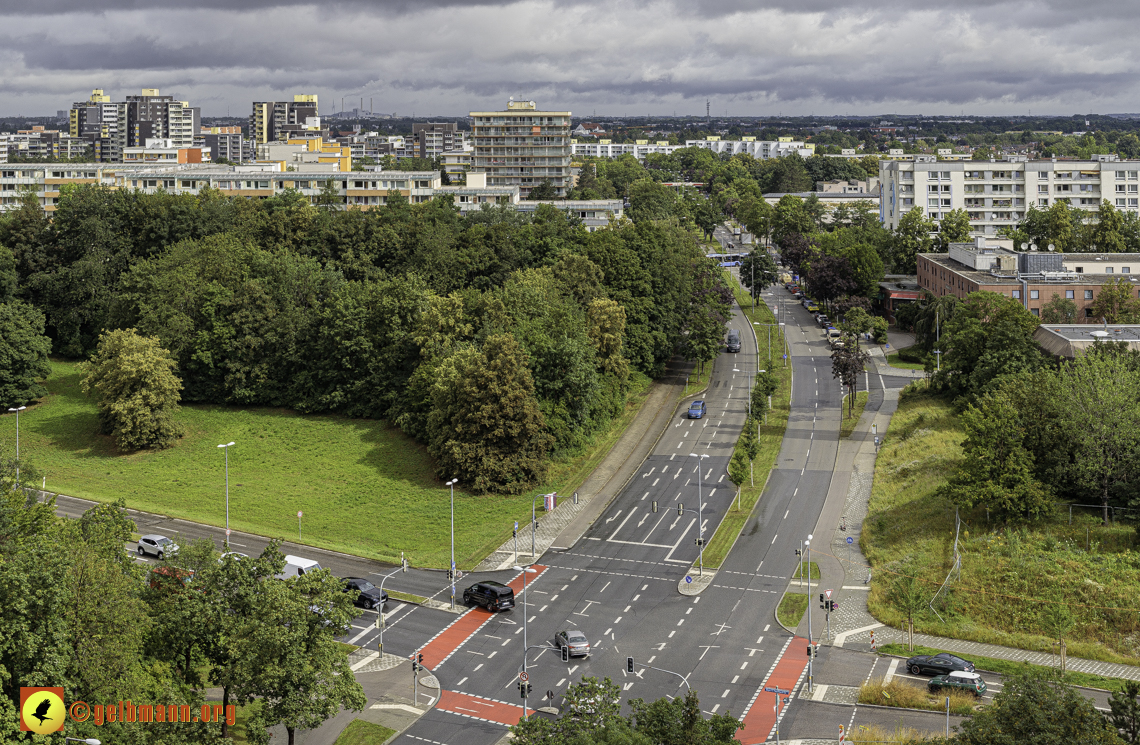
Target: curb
point(698, 585)
point(776, 614)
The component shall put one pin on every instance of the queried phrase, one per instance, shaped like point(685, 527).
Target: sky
point(758, 58)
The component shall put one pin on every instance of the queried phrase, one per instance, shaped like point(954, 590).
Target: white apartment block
point(996, 193)
point(607, 149)
point(758, 149)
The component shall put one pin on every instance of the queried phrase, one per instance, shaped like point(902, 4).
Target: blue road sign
point(688, 580)
point(850, 539)
point(776, 690)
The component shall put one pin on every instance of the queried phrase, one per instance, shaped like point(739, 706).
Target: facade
point(607, 149)
point(759, 149)
point(1030, 277)
point(112, 127)
point(522, 146)
point(164, 151)
point(831, 199)
point(433, 139)
point(38, 142)
point(594, 213)
point(277, 120)
point(456, 164)
point(306, 151)
point(996, 193)
point(226, 143)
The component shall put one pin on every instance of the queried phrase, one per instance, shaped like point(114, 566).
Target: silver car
point(575, 641)
point(157, 545)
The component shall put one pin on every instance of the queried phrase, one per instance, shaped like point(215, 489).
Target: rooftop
point(1067, 340)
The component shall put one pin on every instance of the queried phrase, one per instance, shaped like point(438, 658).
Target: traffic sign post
point(850, 540)
point(779, 692)
point(299, 513)
point(688, 580)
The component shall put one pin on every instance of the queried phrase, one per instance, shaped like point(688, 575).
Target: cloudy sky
point(448, 57)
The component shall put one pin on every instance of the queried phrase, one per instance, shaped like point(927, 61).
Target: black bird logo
point(42, 709)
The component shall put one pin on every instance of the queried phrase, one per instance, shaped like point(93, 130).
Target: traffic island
point(694, 583)
point(791, 610)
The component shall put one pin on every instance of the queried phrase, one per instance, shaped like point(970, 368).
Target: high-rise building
point(433, 139)
point(226, 143)
point(522, 147)
point(114, 126)
point(271, 121)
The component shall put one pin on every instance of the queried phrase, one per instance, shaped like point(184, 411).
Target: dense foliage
point(392, 313)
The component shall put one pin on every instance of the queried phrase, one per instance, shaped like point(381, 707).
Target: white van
point(295, 566)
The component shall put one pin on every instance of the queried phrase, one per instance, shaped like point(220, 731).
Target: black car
point(368, 595)
point(938, 664)
point(491, 595)
point(732, 344)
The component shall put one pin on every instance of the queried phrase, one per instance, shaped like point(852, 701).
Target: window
point(1088, 313)
point(1108, 270)
point(1034, 311)
point(1120, 188)
point(1079, 270)
point(1120, 202)
point(1015, 294)
point(1044, 189)
point(1042, 202)
point(1125, 270)
point(1043, 175)
point(933, 188)
point(1034, 294)
point(1088, 294)
point(1069, 294)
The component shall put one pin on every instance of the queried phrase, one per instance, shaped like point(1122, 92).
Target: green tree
point(1108, 232)
point(953, 228)
point(790, 216)
point(790, 175)
point(1059, 226)
point(544, 190)
point(1036, 707)
point(1125, 708)
point(1115, 302)
point(988, 335)
point(23, 353)
point(1057, 621)
point(136, 389)
point(908, 597)
point(757, 271)
point(1101, 416)
point(485, 426)
point(679, 721)
point(1059, 310)
point(846, 364)
point(649, 200)
point(912, 237)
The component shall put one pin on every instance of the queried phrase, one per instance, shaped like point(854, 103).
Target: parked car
point(938, 664)
point(575, 641)
point(295, 566)
point(157, 545)
point(491, 595)
point(697, 410)
point(959, 680)
point(812, 307)
point(368, 595)
point(822, 320)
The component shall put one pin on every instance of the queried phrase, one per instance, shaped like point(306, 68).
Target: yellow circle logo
point(43, 712)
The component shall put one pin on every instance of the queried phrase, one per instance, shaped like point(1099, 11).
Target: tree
point(790, 175)
point(738, 470)
point(953, 228)
point(485, 426)
point(23, 354)
point(1059, 310)
point(791, 216)
point(757, 271)
point(912, 237)
point(1101, 417)
point(831, 277)
point(136, 389)
point(679, 721)
point(1036, 707)
point(846, 364)
point(1115, 302)
point(1125, 709)
point(989, 335)
point(1057, 621)
point(649, 200)
point(909, 598)
point(1108, 232)
point(544, 190)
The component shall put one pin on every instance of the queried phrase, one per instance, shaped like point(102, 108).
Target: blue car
point(697, 410)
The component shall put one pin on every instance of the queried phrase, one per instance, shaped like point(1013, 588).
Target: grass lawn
point(813, 570)
point(909, 695)
point(894, 360)
point(360, 732)
point(363, 486)
point(850, 419)
point(792, 608)
point(1008, 667)
point(901, 735)
point(238, 732)
point(1009, 573)
point(771, 437)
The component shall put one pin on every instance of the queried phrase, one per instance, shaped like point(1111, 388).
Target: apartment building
point(164, 151)
point(996, 193)
point(112, 127)
point(606, 149)
point(433, 139)
point(225, 143)
point(278, 120)
point(456, 163)
point(309, 151)
point(1030, 277)
point(522, 146)
point(42, 143)
point(594, 213)
point(759, 149)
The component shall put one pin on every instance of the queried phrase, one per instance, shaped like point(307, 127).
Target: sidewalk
point(844, 568)
point(568, 522)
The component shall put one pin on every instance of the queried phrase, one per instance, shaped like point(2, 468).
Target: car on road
point(942, 663)
point(157, 545)
point(367, 595)
point(958, 680)
point(490, 595)
point(575, 642)
point(697, 410)
point(732, 343)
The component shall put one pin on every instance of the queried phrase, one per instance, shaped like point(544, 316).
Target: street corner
point(694, 582)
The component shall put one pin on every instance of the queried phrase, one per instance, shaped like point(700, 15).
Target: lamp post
point(785, 335)
point(525, 571)
point(227, 447)
point(807, 550)
point(17, 410)
point(533, 523)
point(700, 515)
point(451, 485)
point(937, 352)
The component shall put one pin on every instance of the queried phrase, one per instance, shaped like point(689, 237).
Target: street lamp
point(525, 571)
point(17, 410)
point(700, 515)
point(533, 523)
point(89, 740)
point(807, 548)
point(785, 335)
point(227, 447)
point(451, 485)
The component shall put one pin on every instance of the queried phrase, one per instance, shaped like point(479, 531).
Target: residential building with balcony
point(433, 139)
point(522, 146)
point(758, 149)
point(997, 193)
point(164, 151)
point(278, 120)
point(606, 149)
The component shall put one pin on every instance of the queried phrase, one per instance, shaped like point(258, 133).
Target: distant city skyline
point(625, 58)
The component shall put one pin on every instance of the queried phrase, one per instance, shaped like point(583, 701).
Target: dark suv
point(491, 595)
point(733, 342)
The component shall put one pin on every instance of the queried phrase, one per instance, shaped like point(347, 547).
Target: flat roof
point(1070, 339)
point(980, 277)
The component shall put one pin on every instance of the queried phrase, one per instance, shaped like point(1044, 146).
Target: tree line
point(496, 338)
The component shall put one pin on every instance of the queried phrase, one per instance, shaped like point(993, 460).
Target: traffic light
point(629, 664)
point(420, 659)
point(822, 598)
point(448, 575)
point(514, 532)
point(809, 651)
point(529, 688)
point(680, 509)
point(834, 605)
point(415, 666)
point(654, 506)
point(565, 653)
point(522, 689)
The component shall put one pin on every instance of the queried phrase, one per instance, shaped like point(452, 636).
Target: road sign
point(828, 594)
point(785, 356)
point(298, 513)
point(776, 690)
point(850, 540)
point(688, 580)
point(227, 532)
point(524, 677)
point(516, 524)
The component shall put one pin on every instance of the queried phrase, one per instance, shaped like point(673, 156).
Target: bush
point(879, 330)
point(912, 354)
